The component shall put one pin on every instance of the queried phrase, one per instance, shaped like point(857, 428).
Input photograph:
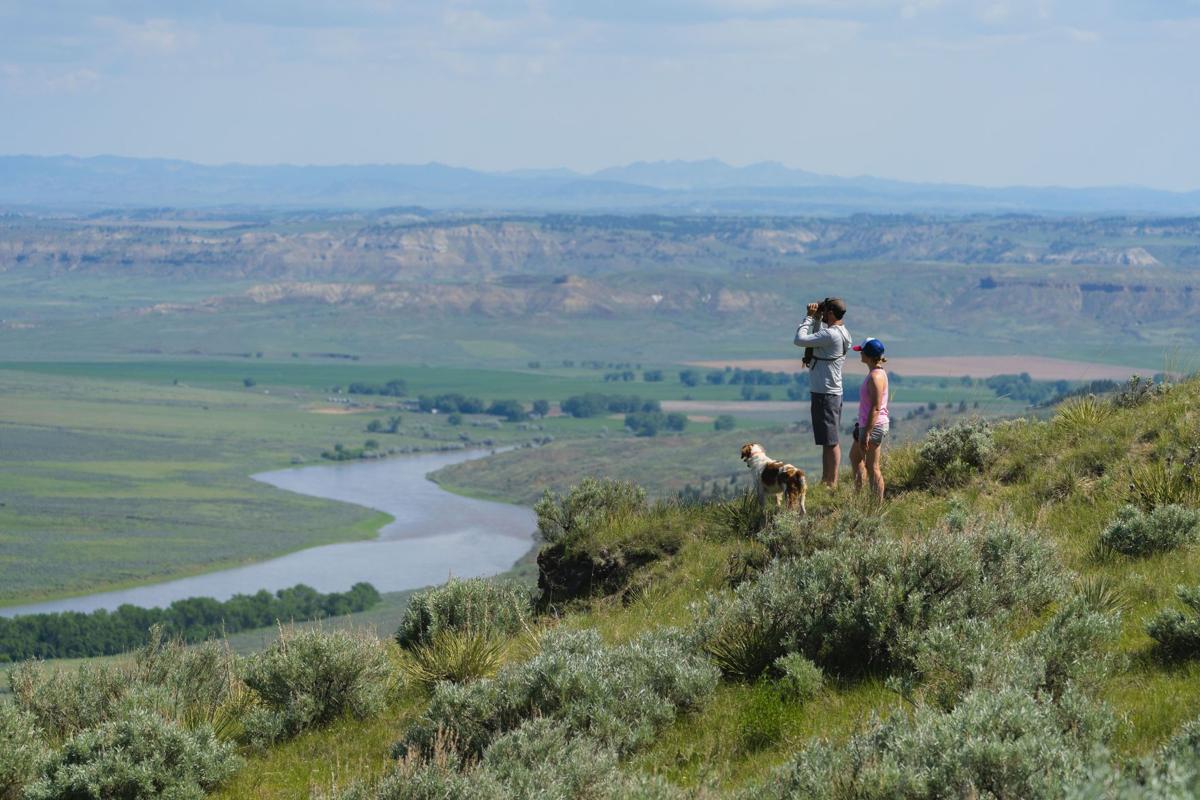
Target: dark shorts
point(826, 418)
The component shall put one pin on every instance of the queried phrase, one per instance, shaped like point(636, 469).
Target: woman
point(872, 425)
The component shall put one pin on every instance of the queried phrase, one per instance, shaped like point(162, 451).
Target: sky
point(1010, 92)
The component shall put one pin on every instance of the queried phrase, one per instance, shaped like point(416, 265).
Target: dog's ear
point(747, 450)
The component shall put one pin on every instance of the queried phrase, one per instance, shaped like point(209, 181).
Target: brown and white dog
point(775, 477)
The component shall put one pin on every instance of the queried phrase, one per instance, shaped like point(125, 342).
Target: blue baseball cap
point(872, 347)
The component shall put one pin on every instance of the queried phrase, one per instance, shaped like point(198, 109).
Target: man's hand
point(812, 309)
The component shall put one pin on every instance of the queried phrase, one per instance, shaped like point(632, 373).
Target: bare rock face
point(565, 296)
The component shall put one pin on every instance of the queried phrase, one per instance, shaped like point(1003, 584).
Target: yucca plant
point(1082, 414)
point(745, 649)
point(741, 517)
point(1161, 483)
point(458, 656)
point(1102, 594)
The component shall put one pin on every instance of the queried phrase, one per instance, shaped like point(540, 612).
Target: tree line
point(73, 634)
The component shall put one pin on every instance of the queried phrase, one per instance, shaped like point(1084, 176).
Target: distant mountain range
point(672, 187)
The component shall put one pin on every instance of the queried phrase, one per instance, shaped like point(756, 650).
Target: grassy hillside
point(994, 611)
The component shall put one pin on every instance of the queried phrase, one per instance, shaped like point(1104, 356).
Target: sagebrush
point(308, 678)
point(488, 608)
point(621, 696)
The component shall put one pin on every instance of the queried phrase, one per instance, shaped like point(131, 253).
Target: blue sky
point(1008, 92)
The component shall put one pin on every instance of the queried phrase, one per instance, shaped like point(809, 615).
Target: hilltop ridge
point(675, 186)
point(1005, 625)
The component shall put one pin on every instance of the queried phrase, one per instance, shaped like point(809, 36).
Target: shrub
point(483, 607)
point(453, 655)
point(139, 757)
point(799, 678)
point(1065, 654)
point(865, 603)
point(64, 702)
point(1136, 533)
point(996, 743)
point(1138, 391)
point(790, 535)
point(540, 760)
point(621, 696)
point(724, 422)
point(21, 750)
point(950, 456)
point(1173, 773)
point(1177, 633)
point(309, 678)
point(587, 506)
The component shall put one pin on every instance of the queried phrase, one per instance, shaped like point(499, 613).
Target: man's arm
point(806, 337)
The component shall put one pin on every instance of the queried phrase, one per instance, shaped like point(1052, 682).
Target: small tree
point(393, 425)
point(374, 426)
point(725, 422)
point(248, 382)
point(541, 407)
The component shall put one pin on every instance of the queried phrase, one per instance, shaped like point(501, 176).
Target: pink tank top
point(864, 405)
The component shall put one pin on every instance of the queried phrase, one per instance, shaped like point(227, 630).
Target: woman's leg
point(874, 465)
point(856, 462)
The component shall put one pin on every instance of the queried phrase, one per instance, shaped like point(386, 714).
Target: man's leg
point(831, 459)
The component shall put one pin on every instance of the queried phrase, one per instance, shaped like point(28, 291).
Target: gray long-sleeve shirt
point(830, 346)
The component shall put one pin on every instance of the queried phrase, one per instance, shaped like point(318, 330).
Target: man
point(824, 332)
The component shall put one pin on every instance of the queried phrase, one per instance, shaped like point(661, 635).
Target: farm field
point(1039, 368)
point(106, 483)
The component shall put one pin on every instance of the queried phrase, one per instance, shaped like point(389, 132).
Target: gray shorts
point(826, 418)
point(877, 434)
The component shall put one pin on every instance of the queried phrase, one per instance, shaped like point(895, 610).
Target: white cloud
point(150, 37)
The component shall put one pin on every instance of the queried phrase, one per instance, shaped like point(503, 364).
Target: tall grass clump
point(138, 757)
point(864, 604)
point(479, 606)
point(1137, 533)
point(621, 696)
point(588, 506)
point(1176, 632)
point(193, 685)
point(308, 678)
point(21, 750)
point(950, 456)
point(456, 656)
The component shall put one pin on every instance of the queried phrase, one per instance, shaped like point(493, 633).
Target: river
point(435, 534)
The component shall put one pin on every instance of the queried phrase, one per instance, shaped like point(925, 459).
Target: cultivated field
point(1039, 368)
